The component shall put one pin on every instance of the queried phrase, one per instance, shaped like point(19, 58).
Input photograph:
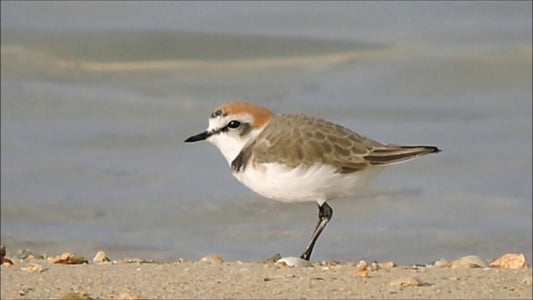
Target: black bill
point(199, 137)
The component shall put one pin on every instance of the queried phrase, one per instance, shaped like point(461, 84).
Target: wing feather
point(308, 140)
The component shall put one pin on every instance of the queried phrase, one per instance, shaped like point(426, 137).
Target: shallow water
point(94, 118)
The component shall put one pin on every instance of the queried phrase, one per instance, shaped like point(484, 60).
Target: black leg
point(324, 215)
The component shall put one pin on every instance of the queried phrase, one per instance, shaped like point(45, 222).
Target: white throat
point(232, 145)
point(229, 147)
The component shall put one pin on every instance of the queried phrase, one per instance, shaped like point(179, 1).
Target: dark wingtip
point(434, 149)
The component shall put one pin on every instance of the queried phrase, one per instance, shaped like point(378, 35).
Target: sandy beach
point(33, 278)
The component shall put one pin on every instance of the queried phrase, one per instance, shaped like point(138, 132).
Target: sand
point(185, 279)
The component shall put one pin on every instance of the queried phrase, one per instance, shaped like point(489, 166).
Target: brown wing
point(307, 140)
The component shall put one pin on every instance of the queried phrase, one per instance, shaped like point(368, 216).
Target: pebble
point(407, 281)
point(67, 259)
point(34, 256)
point(6, 264)
point(23, 253)
point(510, 261)
point(182, 260)
point(133, 260)
point(374, 266)
point(442, 263)
point(528, 280)
point(293, 261)
point(470, 261)
point(362, 265)
point(330, 263)
point(211, 259)
point(32, 268)
point(272, 259)
point(100, 258)
point(5, 260)
point(387, 265)
point(362, 269)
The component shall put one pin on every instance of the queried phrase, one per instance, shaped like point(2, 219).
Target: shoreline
point(69, 277)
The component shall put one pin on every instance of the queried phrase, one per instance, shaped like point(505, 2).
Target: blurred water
point(96, 105)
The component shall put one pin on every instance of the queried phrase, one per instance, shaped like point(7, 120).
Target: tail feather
point(396, 153)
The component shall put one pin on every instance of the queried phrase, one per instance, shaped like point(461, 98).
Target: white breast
point(315, 183)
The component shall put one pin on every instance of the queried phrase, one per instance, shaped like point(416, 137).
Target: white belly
point(316, 183)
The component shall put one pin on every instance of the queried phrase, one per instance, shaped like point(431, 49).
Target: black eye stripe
point(244, 127)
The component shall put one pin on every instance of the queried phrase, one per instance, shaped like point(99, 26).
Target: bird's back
point(297, 139)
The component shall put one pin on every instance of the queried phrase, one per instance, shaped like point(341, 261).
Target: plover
point(296, 158)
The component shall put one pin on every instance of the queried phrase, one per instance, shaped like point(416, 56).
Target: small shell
point(294, 261)
point(211, 259)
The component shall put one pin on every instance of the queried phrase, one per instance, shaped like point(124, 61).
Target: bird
point(293, 157)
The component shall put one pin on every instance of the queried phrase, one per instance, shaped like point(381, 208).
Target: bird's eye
point(234, 124)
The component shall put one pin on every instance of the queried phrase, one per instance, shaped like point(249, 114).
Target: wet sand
point(185, 279)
